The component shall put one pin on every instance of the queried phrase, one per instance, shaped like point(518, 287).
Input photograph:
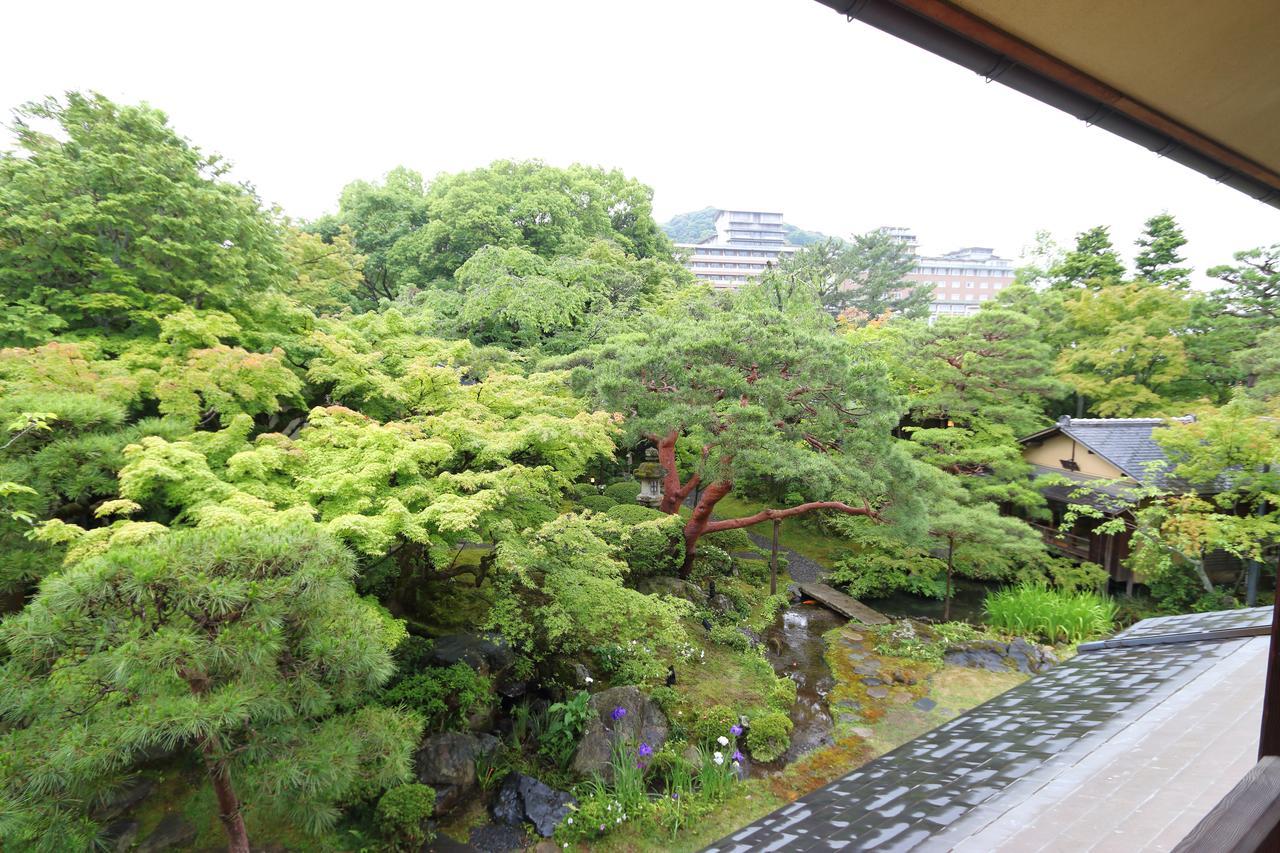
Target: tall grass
point(1050, 615)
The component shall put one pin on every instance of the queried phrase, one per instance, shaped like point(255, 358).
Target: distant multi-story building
point(962, 280)
point(745, 244)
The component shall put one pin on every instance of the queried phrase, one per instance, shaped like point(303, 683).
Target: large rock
point(640, 721)
point(124, 799)
point(487, 656)
point(524, 798)
point(993, 655)
point(447, 762)
point(173, 831)
point(675, 587)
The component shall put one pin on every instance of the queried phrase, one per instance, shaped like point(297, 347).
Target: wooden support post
point(773, 561)
point(1269, 738)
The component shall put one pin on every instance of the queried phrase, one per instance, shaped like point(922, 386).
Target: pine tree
point(1158, 259)
point(245, 646)
point(1092, 263)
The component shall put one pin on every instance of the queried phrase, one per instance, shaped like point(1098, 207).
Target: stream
point(795, 648)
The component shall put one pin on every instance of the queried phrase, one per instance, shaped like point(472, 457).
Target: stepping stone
point(867, 669)
point(864, 733)
point(857, 655)
point(851, 704)
point(849, 718)
point(878, 692)
point(925, 704)
point(855, 636)
point(872, 682)
point(902, 698)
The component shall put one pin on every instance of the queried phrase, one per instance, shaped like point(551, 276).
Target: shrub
point(412, 653)
point(597, 503)
point(769, 735)
point(731, 541)
point(559, 591)
point(565, 722)
point(782, 696)
point(584, 490)
point(625, 492)
point(633, 513)
point(728, 635)
point(665, 698)
point(714, 722)
point(446, 696)
point(655, 546)
point(402, 815)
point(711, 562)
point(1050, 615)
point(882, 568)
point(928, 644)
point(1070, 576)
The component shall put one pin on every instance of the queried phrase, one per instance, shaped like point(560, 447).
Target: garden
point(449, 514)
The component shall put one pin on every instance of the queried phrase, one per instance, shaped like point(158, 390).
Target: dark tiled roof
point(1022, 739)
point(1124, 442)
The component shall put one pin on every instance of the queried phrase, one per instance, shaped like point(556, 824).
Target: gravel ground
point(802, 569)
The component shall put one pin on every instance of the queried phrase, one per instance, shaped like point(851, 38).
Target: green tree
point(547, 210)
point(1253, 284)
point(245, 646)
point(1092, 263)
point(866, 277)
point(514, 298)
point(974, 539)
point(1127, 352)
point(769, 401)
point(988, 368)
point(385, 221)
point(1158, 259)
point(328, 275)
point(114, 222)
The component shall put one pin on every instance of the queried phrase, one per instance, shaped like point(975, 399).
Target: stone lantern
point(650, 475)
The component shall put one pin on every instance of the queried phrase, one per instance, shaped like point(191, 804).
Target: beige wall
point(1058, 447)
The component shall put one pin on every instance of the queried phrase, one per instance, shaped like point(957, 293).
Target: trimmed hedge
point(597, 503)
point(625, 492)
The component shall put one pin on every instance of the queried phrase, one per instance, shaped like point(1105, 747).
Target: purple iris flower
point(645, 749)
point(737, 756)
point(618, 713)
point(735, 730)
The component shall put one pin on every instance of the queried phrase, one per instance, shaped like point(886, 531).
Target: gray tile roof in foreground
point(948, 785)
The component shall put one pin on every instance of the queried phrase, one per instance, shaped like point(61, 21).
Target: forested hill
point(698, 225)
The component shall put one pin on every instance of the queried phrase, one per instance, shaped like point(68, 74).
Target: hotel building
point(745, 244)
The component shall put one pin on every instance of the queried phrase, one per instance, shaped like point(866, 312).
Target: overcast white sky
point(766, 104)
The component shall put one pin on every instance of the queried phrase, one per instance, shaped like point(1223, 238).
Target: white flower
point(619, 820)
point(569, 821)
point(588, 679)
point(722, 740)
point(227, 244)
point(718, 758)
point(737, 766)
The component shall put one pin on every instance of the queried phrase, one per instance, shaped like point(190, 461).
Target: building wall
point(1054, 449)
point(746, 243)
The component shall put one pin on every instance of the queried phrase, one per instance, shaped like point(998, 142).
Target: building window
point(983, 285)
point(968, 284)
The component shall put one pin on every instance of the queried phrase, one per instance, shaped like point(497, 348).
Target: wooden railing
point(1069, 543)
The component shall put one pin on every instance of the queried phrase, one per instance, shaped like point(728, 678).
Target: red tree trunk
point(673, 493)
point(700, 521)
point(228, 802)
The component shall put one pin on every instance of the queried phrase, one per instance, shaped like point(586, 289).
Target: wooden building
point(1101, 462)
